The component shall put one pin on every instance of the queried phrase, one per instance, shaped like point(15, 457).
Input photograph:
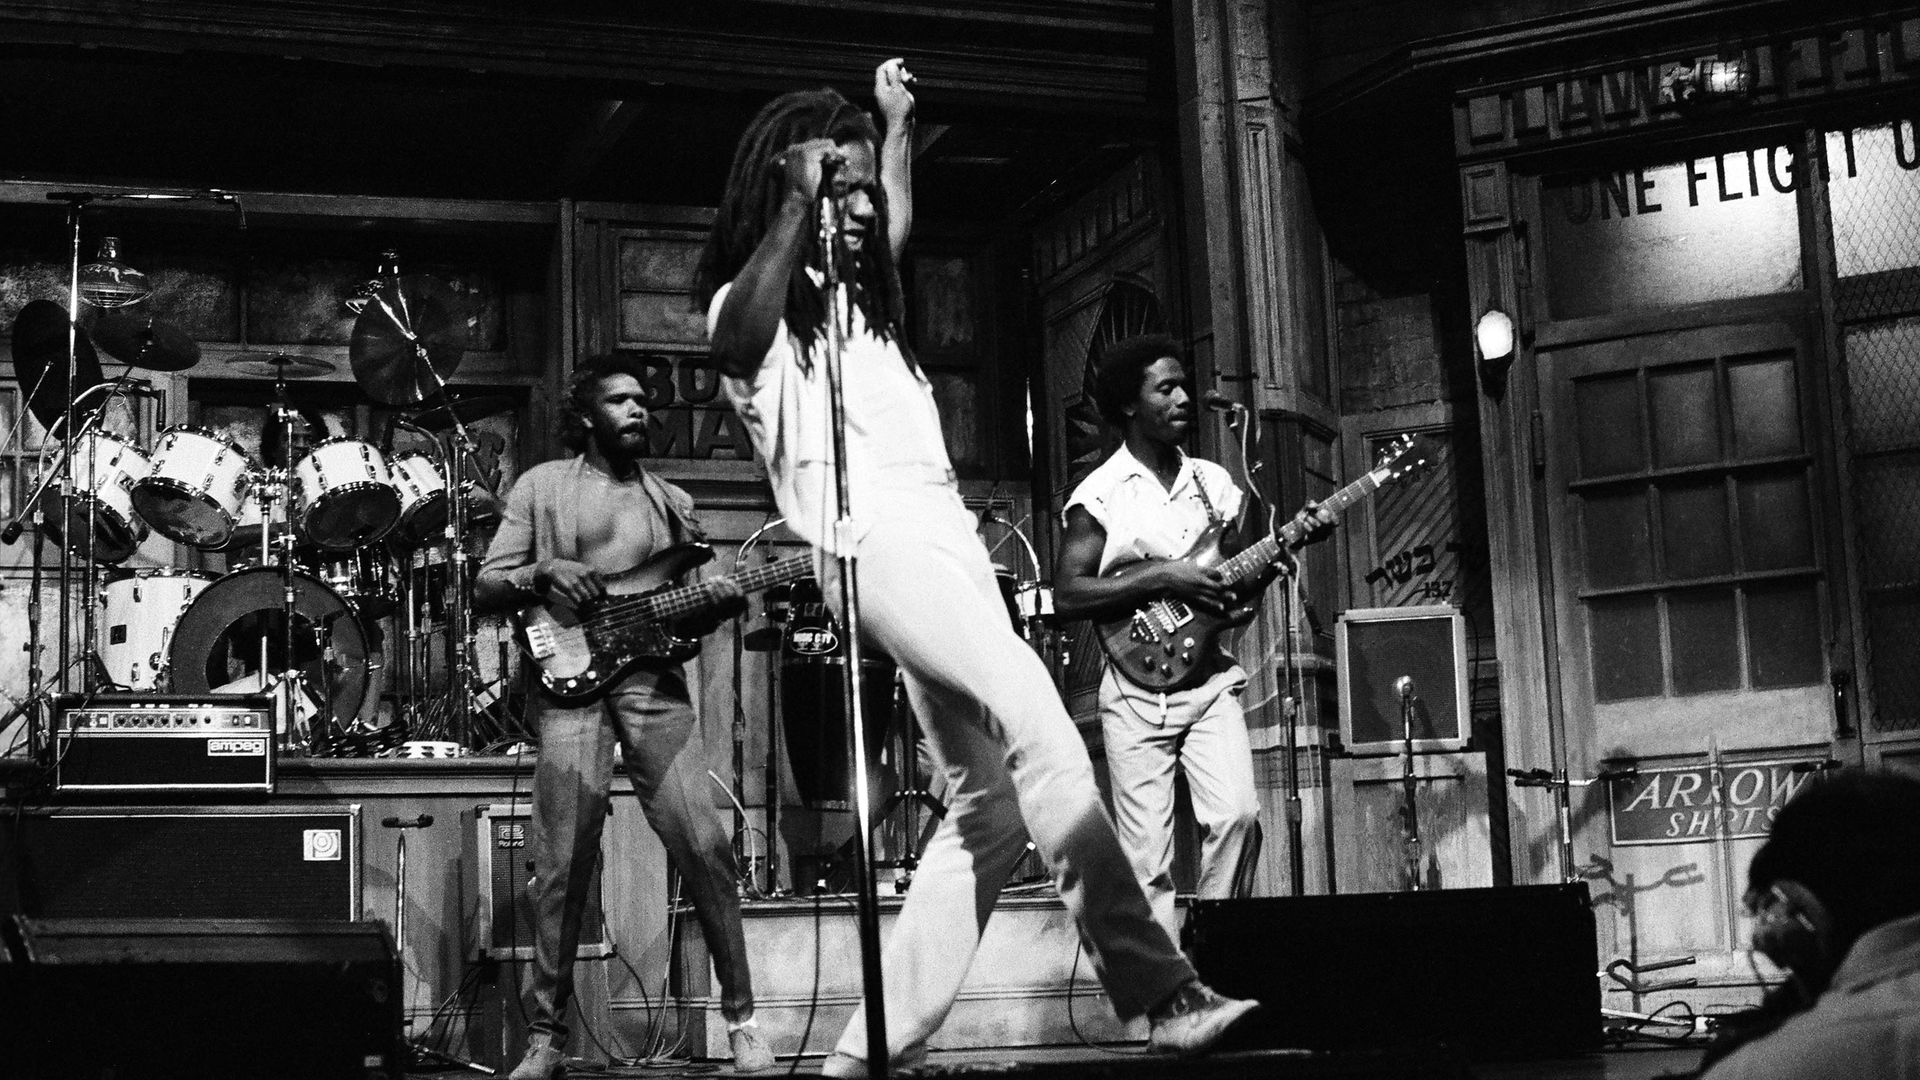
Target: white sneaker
point(1194, 1020)
point(543, 1062)
point(751, 1051)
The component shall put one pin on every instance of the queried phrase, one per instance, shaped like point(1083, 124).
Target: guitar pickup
point(540, 642)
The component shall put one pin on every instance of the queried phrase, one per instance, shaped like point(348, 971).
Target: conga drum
point(813, 703)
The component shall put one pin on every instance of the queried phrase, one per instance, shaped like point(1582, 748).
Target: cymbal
point(40, 348)
point(144, 341)
point(441, 416)
point(408, 340)
point(279, 365)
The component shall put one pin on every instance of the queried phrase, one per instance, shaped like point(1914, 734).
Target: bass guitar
point(1165, 644)
point(580, 652)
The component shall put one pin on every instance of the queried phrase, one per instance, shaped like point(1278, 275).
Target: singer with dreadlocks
point(1014, 763)
point(568, 526)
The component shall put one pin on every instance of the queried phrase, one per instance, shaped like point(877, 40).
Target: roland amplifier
point(158, 743)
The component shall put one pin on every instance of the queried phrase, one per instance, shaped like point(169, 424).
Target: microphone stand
point(1289, 719)
point(1409, 812)
point(868, 894)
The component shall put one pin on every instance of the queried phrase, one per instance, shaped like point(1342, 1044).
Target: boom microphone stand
point(842, 544)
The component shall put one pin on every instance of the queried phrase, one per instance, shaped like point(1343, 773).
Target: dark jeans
point(651, 716)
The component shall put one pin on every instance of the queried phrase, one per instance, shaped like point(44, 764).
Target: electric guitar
point(580, 652)
point(1165, 644)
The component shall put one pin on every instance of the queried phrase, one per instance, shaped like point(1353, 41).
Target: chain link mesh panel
point(1874, 192)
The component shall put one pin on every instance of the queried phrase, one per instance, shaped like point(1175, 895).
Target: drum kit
point(324, 537)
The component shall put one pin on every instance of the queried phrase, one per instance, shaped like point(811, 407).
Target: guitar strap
point(1213, 515)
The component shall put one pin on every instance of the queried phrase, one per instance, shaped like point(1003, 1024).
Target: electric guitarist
point(569, 528)
point(1148, 505)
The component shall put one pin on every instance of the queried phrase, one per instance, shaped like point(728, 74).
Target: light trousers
point(1150, 739)
point(653, 719)
point(1015, 767)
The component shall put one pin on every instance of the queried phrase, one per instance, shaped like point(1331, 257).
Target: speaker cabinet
point(1376, 647)
point(193, 998)
point(503, 833)
point(204, 862)
point(1493, 973)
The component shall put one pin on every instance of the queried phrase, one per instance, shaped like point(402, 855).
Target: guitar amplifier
point(154, 743)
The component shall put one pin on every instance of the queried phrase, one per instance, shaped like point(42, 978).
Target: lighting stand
point(842, 546)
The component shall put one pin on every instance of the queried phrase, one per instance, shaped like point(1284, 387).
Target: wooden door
point(1690, 610)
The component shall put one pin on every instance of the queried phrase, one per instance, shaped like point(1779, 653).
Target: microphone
point(396, 822)
point(1219, 402)
point(1403, 686)
point(12, 532)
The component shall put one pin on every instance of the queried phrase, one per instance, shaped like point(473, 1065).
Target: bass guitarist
point(1148, 507)
point(568, 525)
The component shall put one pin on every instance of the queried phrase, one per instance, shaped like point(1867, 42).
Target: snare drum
point(194, 491)
point(344, 495)
point(105, 468)
point(423, 499)
point(139, 610)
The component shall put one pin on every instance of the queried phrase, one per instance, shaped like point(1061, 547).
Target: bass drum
point(220, 638)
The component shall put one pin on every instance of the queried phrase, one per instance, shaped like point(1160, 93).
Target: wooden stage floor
point(1129, 1063)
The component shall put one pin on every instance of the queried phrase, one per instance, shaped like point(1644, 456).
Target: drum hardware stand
point(1409, 810)
point(416, 1052)
point(878, 1064)
point(908, 794)
point(740, 733)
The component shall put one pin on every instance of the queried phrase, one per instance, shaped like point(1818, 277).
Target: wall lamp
point(1705, 81)
point(1493, 342)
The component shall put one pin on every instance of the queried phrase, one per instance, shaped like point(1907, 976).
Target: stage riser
point(1016, 993)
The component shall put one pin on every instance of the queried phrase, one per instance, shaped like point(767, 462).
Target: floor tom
point(139, 610)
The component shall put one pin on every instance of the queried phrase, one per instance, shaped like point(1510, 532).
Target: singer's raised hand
point(801, 164)
point(891, 82)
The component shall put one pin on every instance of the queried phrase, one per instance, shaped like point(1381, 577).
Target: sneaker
point(1194, 1020)
point(543, 1062)
point(751, 1052)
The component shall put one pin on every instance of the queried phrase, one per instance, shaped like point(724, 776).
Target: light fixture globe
point(109, 283)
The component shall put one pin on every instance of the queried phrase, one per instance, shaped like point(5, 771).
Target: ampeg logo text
point(321, 845)
point(236, 748)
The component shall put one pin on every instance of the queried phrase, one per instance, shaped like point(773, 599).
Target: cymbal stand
point(281, 492)
point(461, 663)
point(842, 548)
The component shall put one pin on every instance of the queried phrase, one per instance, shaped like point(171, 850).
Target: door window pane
point(1706, 642)
point(1626, 648)
point(1694, 536)
point(1686, 420)
point(1783, 629)
point(1618, 539)
point(1607, 411)
point(1713, 228)
point(1775, 528)
point(1766, 407)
